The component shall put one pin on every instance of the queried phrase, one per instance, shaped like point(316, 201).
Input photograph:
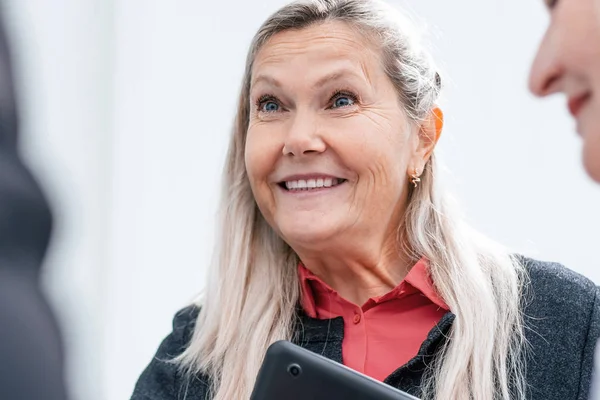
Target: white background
point(127, 107)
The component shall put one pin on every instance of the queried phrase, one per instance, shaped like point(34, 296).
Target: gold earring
point(415, 178)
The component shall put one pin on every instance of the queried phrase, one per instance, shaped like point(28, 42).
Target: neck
point(359, 275)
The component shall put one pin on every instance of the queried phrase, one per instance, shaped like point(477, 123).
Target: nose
point(547, 70)
point(303, 137)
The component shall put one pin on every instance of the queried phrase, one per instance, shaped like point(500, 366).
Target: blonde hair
point(253, 287)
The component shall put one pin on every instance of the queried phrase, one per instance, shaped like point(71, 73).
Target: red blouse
point(387, 331)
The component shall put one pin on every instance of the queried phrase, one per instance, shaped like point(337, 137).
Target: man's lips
point(576, 103)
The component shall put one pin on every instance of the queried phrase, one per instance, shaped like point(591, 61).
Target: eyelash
point(343, 93)
point(551, 3)
point(262, 100)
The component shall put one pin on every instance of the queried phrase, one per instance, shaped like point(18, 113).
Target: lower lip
point(314, 191)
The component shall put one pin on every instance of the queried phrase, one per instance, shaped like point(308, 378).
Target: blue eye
point(270, 106)
point(343, 101)
point(267, 104)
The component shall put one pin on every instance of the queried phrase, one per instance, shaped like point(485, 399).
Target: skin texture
point(568, 61)
point(322, 105)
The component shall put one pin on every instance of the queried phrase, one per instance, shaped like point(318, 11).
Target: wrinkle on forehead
point(329, 41)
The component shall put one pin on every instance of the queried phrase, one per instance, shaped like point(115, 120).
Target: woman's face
point(568, 61)
point(328, 148)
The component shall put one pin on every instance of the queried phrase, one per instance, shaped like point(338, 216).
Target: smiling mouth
point(310, 184)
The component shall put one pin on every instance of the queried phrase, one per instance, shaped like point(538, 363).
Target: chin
point(593, 169)
point(306, 235)
point(591, 155)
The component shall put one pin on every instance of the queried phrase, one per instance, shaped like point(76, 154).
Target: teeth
point(316, 183)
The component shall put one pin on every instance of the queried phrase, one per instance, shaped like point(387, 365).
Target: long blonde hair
point(253, 289)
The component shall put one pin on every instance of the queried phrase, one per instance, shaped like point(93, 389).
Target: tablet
point(290, 372)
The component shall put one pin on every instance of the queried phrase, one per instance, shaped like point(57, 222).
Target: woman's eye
point(342, 101)
point(270, 106)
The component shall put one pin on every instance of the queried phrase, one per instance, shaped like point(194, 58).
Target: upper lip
point(575, 103)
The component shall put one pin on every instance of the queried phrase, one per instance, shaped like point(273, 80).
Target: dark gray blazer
point(563, 323)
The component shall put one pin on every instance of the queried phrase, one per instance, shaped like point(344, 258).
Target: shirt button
point(356, 318)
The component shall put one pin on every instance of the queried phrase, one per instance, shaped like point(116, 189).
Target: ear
point(429, 133)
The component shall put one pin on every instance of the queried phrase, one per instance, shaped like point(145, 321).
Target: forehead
point(311, 48)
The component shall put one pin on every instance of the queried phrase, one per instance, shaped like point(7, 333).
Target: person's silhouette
point(31, 360)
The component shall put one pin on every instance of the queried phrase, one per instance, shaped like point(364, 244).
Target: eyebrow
point(320, 82)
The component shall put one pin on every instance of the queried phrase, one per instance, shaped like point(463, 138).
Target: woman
point(568, 61)
point(335, 235)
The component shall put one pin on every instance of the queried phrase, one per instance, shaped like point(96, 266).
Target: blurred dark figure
point(31, 362)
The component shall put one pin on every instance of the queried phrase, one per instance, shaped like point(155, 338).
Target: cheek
point(260, 156)
point(377, 151)
point(577, 26)
point(594, 64)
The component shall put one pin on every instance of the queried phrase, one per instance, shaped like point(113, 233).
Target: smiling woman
point(341, 127)
point(335, 235)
